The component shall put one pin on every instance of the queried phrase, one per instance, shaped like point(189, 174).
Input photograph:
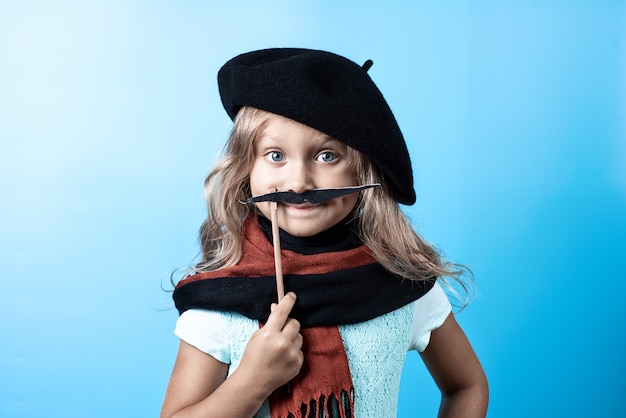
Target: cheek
point(257, 185)
point(264, 208)
point(254, 187)
point(347, 176)
point(348, 204)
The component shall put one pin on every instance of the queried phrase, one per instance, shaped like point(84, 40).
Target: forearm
point(236, 398)
point(466, 403)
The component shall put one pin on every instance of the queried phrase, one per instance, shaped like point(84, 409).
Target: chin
point(304, 231)
point(301, 233)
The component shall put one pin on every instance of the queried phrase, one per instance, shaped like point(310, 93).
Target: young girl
point(362, 285)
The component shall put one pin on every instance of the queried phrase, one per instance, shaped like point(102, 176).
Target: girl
point(362, 284)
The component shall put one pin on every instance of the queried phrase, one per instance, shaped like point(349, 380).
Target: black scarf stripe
point(339, 297)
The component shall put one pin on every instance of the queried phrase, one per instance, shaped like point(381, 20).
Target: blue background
point(110, 119)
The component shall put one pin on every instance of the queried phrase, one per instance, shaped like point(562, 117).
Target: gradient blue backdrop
point(110, 118)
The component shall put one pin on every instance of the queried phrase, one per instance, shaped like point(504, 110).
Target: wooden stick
point(278, 263)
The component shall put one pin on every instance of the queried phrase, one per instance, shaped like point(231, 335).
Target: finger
point(280, 314)
point(291, 327)
point(299, 341)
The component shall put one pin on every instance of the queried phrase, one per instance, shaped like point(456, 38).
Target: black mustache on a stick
point(314, 196)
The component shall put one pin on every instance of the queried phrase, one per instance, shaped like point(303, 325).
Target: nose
point(299, 177)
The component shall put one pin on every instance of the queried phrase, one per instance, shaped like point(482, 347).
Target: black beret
point(327, 92)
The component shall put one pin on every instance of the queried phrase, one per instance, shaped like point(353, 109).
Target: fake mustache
point(314, 196)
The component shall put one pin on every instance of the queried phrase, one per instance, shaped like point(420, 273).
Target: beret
point(327, 92)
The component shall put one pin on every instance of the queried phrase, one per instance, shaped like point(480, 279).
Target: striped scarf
point(337, 282)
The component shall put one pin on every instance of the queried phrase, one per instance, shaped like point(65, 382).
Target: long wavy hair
point(381, 224)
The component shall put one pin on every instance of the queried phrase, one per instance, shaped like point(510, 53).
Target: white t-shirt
point(376, 349)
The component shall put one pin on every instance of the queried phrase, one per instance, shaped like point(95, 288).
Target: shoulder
point(214, 332)
point(206, 330)
point(429, 313)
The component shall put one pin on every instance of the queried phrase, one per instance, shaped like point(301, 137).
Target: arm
point(198, 386)
point(457, 372)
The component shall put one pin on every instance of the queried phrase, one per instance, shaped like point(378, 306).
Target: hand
point(273, 355)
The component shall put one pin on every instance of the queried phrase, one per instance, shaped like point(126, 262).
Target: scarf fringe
point(327, 407)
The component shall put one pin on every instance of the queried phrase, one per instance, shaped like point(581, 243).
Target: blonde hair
point(381, 224)
point(386, 230)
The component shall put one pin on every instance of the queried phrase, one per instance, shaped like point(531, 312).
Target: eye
point(275, 156)
point(327, 157)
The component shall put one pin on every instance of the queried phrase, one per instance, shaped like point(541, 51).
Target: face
point(290, 156)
